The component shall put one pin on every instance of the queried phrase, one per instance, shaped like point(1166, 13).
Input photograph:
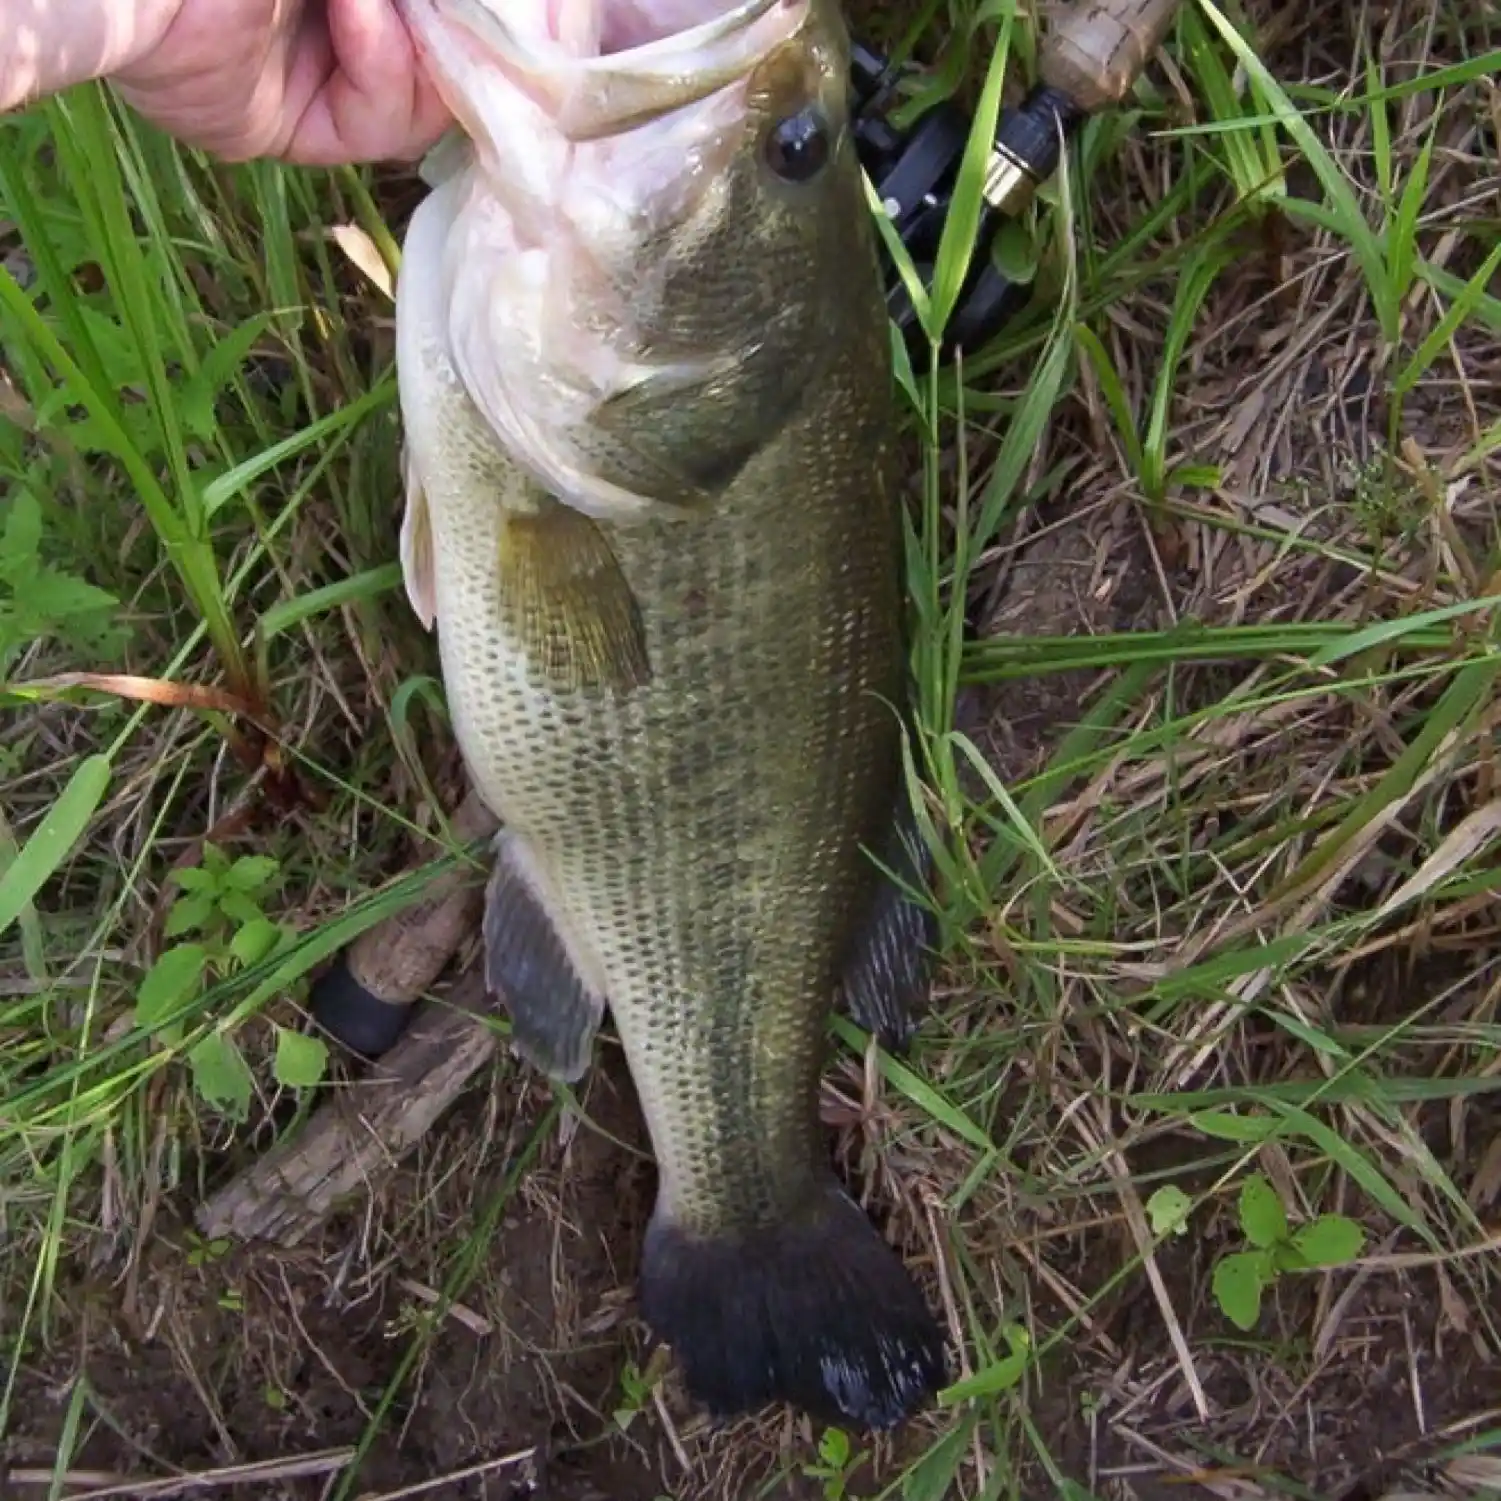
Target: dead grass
point(1263, 937)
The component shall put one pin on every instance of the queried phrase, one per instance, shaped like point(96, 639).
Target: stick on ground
point(361, 1132)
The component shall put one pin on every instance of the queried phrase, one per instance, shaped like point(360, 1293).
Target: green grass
point(1220, 898)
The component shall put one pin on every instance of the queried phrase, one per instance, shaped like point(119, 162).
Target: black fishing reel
point(915, 171)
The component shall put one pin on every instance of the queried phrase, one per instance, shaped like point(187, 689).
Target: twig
point(422, 1487)
point(262, 1471)
point(359, 1135)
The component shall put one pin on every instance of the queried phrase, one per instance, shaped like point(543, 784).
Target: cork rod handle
point(1097, 50)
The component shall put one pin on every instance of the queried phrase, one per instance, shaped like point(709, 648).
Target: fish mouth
point(594, 79)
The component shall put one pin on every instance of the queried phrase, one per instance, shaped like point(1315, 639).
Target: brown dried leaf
point(146, 690)
point(1486, 1184)
point(1470, 834)
point(365, 256)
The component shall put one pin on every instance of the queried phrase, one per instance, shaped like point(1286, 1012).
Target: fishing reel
point(915, 170)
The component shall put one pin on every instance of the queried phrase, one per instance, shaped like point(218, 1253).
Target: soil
point(260, 1353)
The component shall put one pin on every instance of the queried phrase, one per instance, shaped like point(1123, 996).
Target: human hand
point(312, 81)
point(318, 82)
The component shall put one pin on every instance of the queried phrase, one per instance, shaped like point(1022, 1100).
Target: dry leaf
point(1470, 834)
point(1455, 1314)
point(1486, 1184)
point(367, 259)
point(160, 691)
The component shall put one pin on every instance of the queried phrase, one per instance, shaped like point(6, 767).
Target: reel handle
point(1089, 60)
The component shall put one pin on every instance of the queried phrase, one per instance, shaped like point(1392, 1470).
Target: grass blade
point(54, 838)
point(1347, 215)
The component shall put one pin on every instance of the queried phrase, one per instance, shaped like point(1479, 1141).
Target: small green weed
point(39, 600)
point(221, 905)
point(220, 902)
point(1168, 1210)
point(202, 1252)
point(1241, 1277)
point(837, 1460)
point(636, 1387)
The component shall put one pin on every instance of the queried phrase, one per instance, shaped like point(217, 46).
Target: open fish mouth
point(597, 68)
point(596, 175)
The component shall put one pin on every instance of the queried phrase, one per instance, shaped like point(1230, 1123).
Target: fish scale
point(706, 831)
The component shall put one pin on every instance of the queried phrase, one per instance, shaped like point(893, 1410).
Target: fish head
point(660, 233)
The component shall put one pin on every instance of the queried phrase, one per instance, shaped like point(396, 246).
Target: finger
point(339, 127)
point(377, 102)
point(372, 45)
point(233, 109)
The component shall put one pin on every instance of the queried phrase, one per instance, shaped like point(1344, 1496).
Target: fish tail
point(817, 1312)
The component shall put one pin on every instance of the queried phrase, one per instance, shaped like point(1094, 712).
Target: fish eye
point(797, 148)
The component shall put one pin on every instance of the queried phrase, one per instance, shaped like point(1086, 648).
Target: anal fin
point(571, 602)
point(554, 1013)
point(889, 966)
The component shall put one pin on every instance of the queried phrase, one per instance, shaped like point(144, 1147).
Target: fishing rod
point(1089, 60)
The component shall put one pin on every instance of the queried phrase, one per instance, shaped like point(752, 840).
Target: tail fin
point(818, 1312)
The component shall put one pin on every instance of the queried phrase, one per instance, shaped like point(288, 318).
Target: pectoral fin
point(554, 1013)
point(889, 966)
point(570, 602)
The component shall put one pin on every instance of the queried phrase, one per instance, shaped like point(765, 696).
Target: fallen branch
point(427, 1056)
point(362, 1131)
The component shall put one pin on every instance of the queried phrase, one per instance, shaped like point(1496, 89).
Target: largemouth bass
point(645, 380)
